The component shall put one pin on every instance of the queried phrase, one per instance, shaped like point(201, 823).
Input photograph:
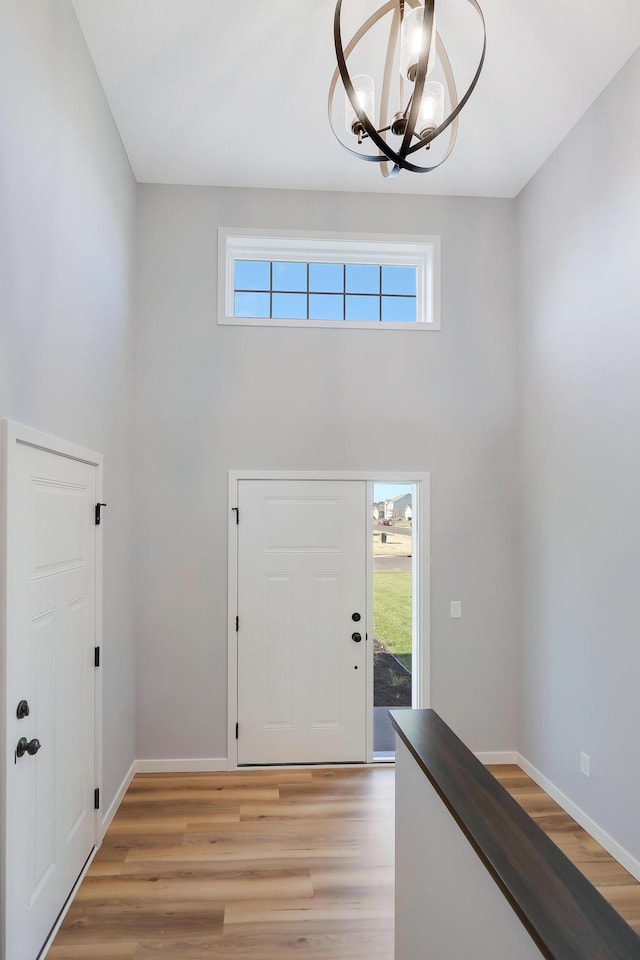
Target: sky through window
point(294, 290)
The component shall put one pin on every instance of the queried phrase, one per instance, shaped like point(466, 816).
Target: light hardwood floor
point(265, 865)
point(271, 865)
point(614, 883)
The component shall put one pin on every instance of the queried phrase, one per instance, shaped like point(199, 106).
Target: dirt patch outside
point(391, 680)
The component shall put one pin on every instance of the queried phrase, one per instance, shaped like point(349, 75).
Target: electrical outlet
point(585, 764)
point(456, 609)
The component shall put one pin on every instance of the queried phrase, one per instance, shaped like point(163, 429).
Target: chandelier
point(425, 107)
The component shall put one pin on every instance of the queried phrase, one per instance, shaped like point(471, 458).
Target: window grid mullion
point(271, 289)
point(326, 293)
point(344, 294)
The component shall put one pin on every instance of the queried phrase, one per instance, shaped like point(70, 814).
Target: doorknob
point(356, 637)
point(27, 746)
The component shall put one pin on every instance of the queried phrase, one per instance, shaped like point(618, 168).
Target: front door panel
point(301, 576)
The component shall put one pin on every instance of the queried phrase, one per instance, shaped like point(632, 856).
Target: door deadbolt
point(22, 710)
point(355, 616)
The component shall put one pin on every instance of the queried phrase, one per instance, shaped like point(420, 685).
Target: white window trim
point(423, 252)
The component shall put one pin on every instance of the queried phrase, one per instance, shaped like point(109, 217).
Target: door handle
point(356, 637)
point(27, 746)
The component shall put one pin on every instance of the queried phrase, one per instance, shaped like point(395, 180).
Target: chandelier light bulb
point(413, 38)
point(431, 112)
point(366, 97)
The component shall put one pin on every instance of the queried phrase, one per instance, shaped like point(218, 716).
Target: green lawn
point(392, 613)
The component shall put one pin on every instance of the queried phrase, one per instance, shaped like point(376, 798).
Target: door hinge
point(236, 510)
point(96, 656)
point(98, 512)
point(237, 624)
point(96, 798)
point(237, 727)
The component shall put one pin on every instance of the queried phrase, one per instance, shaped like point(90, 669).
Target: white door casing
point(50, 577)
point(302, 677)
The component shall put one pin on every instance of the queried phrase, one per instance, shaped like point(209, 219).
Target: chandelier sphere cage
point(418, 121)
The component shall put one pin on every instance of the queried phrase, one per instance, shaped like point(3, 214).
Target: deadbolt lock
point(22, 710)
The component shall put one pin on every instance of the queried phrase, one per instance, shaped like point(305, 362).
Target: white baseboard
point(497, 756)
point(612, 846)
point(196, 765)
point(117, 800)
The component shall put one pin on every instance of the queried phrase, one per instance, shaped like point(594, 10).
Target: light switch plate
point(585, 764)
point(456, 609)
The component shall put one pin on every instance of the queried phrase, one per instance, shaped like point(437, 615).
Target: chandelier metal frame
point(393, 160)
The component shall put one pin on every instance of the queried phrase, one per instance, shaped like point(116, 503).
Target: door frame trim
point(422, 595)
point(12, 434)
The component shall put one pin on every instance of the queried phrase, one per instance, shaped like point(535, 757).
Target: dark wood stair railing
point(567, 918)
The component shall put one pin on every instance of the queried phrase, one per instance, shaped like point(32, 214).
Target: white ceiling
point(234, 93)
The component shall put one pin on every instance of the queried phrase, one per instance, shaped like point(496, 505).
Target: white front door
point(301, 609)
point(50, 568)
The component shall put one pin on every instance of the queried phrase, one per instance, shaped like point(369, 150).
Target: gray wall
point(212, 398)
point(66, 235)
point(579, 243)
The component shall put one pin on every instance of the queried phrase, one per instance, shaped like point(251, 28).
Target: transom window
point(376, 293)
point(330, 282)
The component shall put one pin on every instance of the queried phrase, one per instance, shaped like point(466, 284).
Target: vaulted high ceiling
point(234, 93)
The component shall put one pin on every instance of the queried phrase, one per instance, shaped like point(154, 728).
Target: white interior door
point(50, 568)
point(301, 579)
